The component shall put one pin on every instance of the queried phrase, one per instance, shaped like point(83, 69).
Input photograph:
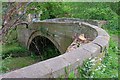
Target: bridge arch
point(69, 60)
point(39, 36)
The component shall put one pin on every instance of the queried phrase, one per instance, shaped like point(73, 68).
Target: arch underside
point(43, 46)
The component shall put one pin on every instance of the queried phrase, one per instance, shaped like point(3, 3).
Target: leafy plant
point(108, 68)
point(71, 75)
point(49, 10)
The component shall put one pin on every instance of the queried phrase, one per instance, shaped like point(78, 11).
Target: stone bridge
point(61, 32)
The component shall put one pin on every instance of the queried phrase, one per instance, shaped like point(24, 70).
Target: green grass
point(10, 63)
point(109, 66)
point(15, 56)
point(14, 49)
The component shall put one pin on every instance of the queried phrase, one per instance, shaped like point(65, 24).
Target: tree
point(12, 16)
point(14, 13)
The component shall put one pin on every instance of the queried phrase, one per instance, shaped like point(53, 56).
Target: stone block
point(56, 65)
point(76, 57)
point(103, 41)
point(102, 32)
point(37, 70)
point(92, 48)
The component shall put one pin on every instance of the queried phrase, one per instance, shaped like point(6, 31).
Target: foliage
point(11, 36)
point(50, 52)
point(107, 69)
point(15, 56)
point(85, 71)
point(71, 75)
point(12, 15)
point(96, 11)
point(49, 10)
point(46, 52)
point(115, 7)
point(13, 50)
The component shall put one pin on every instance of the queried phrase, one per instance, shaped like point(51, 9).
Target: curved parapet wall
point(56, 66)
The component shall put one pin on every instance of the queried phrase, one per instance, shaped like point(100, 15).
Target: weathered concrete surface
point(61, 33)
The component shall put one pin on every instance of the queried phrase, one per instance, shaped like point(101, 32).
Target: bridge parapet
point(61, 33)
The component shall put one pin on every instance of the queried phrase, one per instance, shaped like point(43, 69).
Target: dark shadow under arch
point(43, 47)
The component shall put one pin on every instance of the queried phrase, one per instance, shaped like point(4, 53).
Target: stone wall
point(56, 66)
point(59, 31)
